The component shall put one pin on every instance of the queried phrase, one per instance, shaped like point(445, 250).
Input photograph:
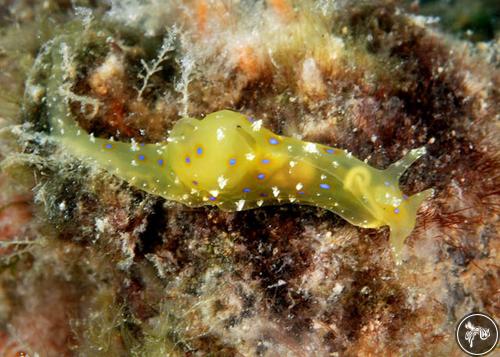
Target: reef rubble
point(91, 266)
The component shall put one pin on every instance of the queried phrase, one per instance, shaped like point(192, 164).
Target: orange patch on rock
point(201, 15)
point(249, 63)
point(107, 83)
point(282, 8)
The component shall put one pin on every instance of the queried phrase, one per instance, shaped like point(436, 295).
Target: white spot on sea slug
point(311, 148)
point(276, 191)
point(299, 186)
point(335, 164)
point(214, 193)
point(250, 156)
point(292, 163)
point(240, 204)
point(133, 145)
point(260, 203)
point(220, 134)
point(396, 201)
point(91, 138)
point(222, 181)
point(185, 196)
point(256, 125)
point(323, 177)
point(292, 198)
point(133, 163)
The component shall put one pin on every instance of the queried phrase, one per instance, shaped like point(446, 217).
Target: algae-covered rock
point(91, 266)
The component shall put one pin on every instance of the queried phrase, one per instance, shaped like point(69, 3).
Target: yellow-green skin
point(230, 161)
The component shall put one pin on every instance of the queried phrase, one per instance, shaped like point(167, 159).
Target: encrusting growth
point(230, 161)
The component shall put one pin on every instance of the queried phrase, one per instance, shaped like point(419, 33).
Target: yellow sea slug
point(230, 161)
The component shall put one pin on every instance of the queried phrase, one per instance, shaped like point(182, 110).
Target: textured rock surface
point(93, 267)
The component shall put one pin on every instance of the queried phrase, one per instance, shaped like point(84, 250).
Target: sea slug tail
point(62, 123)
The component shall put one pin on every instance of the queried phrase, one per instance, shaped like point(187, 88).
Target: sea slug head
point(388, 198)
point(400, 214)
point(211, 154)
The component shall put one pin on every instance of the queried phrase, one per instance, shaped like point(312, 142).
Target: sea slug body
point(230, 161)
